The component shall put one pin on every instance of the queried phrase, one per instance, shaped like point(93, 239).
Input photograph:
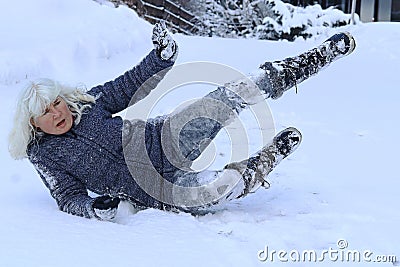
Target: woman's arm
point(130, 87)
point(116, 95)
point(70, 194)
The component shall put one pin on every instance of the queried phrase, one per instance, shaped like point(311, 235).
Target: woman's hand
point(165, 46)
point(106, 207)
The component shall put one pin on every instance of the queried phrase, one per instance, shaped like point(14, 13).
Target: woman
point(76, 144)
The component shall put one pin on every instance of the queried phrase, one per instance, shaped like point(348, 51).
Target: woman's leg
point(195, 191)
point(195, 126)
point(279, 76)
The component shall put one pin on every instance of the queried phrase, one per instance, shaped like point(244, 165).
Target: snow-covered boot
point(255, 169)
point(282, 75)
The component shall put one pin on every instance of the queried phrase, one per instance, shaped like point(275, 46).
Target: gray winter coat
point(90, 155)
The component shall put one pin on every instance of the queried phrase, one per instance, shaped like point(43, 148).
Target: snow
point(341, 183)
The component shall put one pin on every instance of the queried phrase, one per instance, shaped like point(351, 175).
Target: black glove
point(165, 46)
point(106, 207)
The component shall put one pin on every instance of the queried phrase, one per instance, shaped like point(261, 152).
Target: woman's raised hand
point(165, 46)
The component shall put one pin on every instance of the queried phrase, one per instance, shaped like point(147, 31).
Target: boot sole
point(352, 43)
point(294, 133)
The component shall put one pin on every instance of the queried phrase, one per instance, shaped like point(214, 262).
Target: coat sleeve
point(70, 194)
point(130, 87)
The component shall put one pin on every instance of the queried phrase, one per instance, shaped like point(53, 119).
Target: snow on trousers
point(182, 136)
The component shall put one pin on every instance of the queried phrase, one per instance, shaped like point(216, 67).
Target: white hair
point(32, 103)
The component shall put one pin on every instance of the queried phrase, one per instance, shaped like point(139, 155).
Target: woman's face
point(57, 118)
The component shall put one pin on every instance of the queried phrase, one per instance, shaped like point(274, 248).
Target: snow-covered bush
point(264, 19)
point(224, 18)
point(285, 21)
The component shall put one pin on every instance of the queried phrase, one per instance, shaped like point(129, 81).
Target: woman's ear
point(32, 121)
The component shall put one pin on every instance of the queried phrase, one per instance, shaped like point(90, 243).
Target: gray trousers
point(160, 151)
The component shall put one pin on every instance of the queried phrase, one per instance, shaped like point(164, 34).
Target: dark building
point(369, 10)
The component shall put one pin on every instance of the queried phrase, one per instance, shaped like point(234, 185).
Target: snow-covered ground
point(342, 183)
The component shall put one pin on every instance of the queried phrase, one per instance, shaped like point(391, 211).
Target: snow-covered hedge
point(265, 19)
point(285, 21)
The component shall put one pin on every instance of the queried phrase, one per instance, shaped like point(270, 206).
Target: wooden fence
point(176, 17)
